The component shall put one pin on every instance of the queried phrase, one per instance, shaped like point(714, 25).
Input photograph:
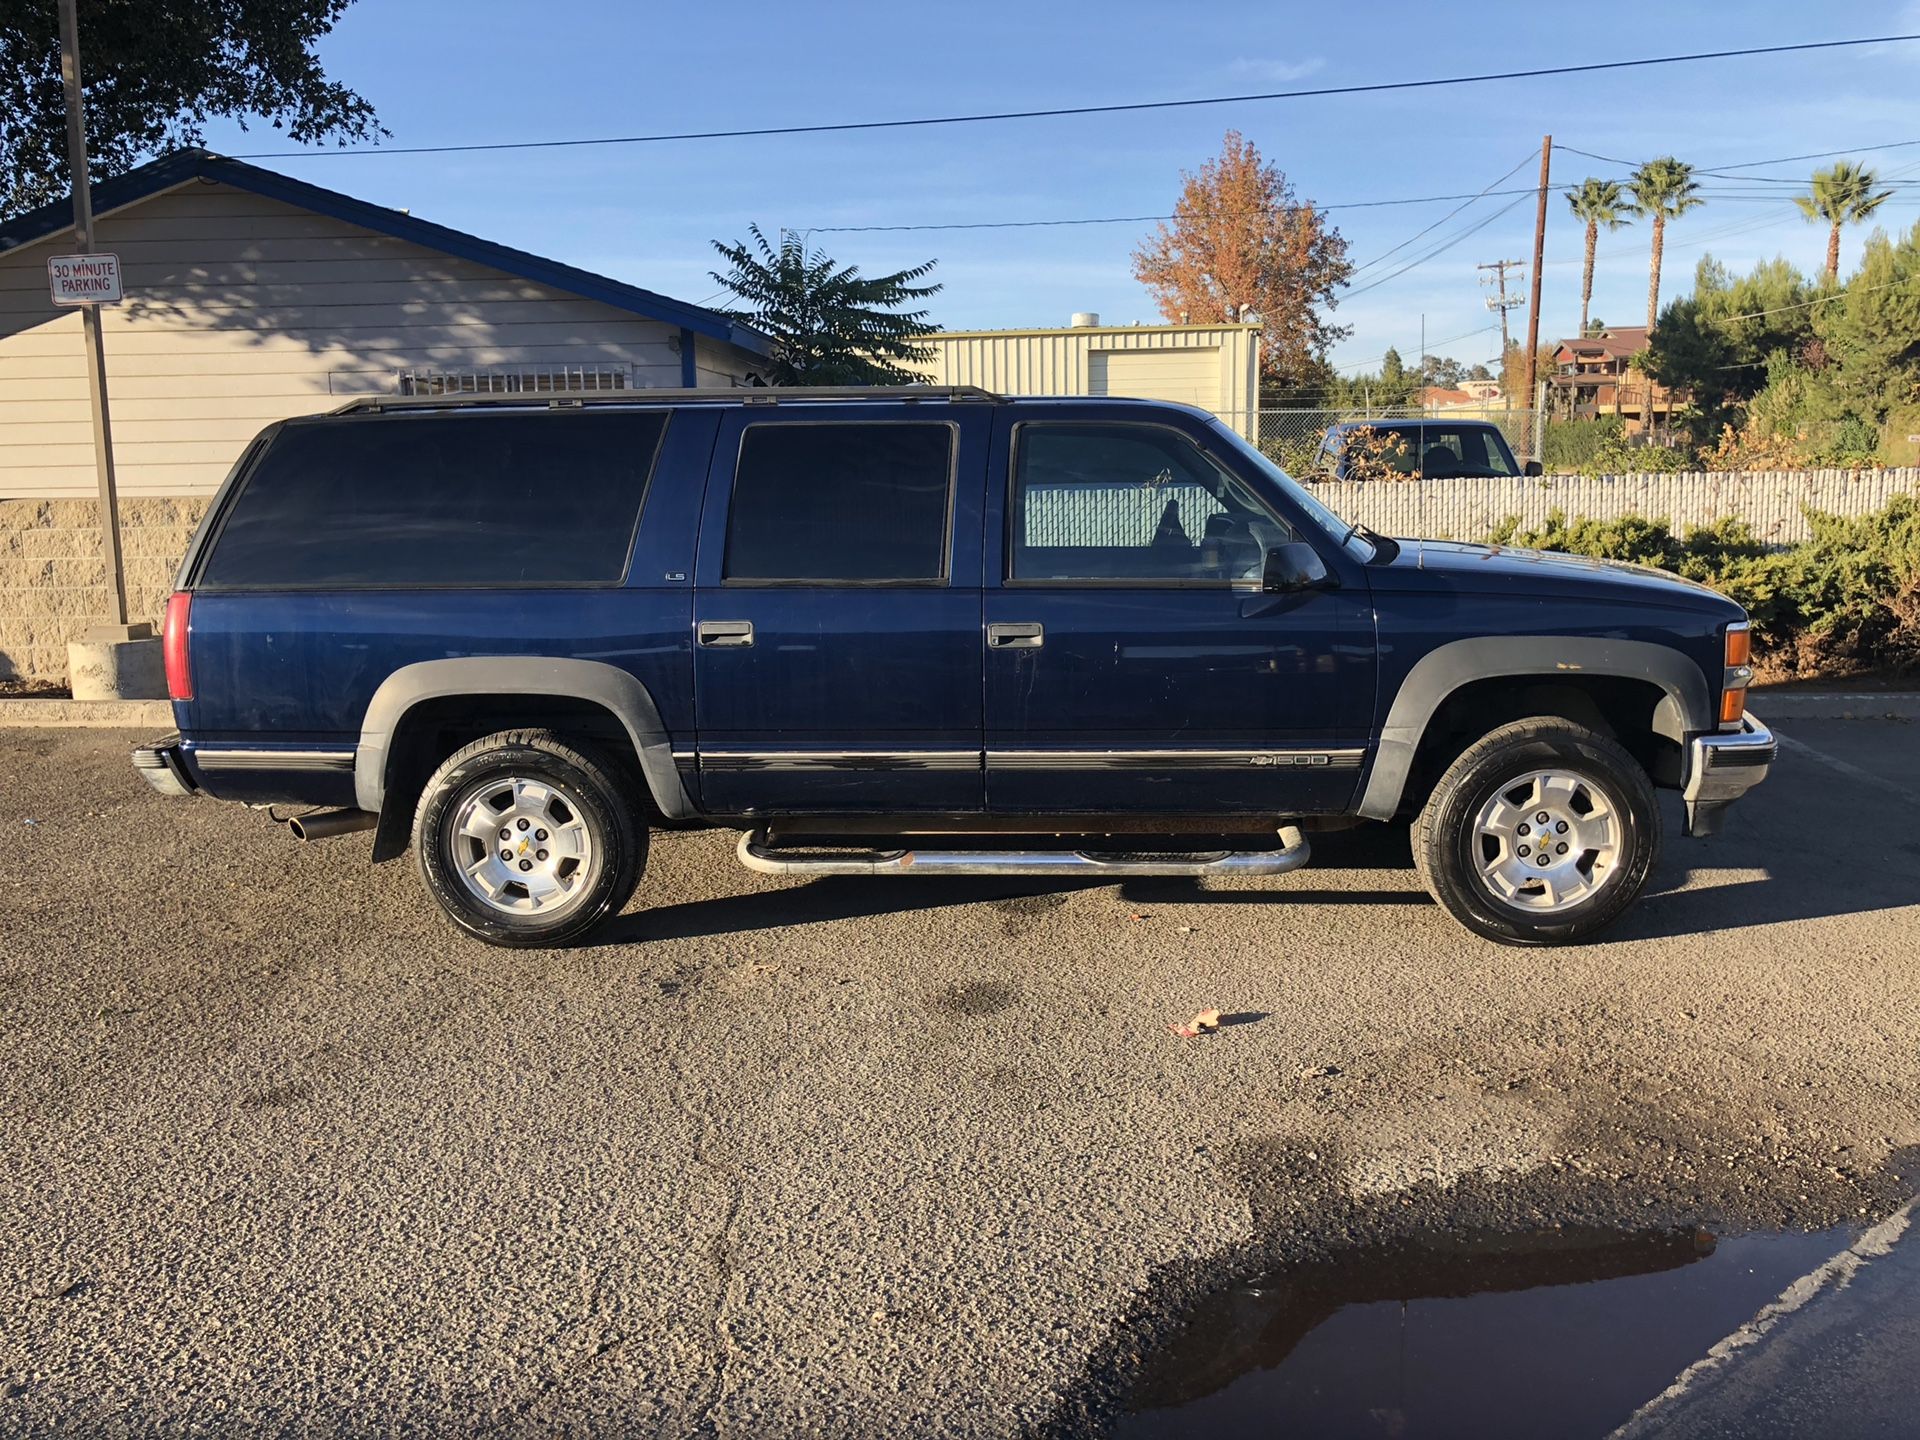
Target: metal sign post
point(90, 308)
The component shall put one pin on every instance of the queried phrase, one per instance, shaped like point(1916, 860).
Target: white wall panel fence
point(1774, 503)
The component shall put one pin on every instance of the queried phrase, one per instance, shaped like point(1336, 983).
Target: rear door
point(837, 610)
point(1134, 663)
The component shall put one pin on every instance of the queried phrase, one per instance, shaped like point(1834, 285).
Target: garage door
point(1189, 376)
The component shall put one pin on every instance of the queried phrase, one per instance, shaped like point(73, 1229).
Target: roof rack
point(575, 399)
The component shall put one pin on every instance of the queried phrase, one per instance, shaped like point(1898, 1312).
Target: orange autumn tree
point(1241, 244)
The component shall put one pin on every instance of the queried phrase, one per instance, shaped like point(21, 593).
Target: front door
point(837, 610)
point(1133, 662)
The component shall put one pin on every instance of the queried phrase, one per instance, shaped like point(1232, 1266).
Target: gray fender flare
point(593, 680)
point(1687, 709)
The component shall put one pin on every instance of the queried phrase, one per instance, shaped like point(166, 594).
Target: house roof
point(1614, 344)
point(184, 166)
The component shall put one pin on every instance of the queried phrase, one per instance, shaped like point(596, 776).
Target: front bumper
point(160, 765)
point(1721, 768)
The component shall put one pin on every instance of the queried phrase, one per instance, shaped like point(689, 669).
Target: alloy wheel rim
point(1548, 840)
point(521, 846)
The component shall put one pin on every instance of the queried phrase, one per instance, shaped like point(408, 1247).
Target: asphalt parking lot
point(280, 1154)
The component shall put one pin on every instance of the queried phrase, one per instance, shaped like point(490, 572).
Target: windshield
point(1357, 545)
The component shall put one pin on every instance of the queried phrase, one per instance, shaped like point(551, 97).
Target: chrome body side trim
point(220, 757)
point(1174, 759)
point(739, 760)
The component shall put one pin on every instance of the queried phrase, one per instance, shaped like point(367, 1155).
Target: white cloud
point(1278, 72)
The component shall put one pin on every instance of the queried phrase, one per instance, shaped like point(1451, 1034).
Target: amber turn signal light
point(1739, 645)
point(1733, 705)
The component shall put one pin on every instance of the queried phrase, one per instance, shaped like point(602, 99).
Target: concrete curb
point(153, 715)
point(1840, 705)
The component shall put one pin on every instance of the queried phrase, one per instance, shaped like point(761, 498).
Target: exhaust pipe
point(327, 823)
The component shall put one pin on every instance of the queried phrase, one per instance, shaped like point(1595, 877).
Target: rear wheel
point(526, 840)
point(1542, 833)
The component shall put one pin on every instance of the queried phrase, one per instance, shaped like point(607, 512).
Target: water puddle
point(1561, 1332)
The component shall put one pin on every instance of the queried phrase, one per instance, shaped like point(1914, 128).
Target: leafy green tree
point(830, 325)
point(1715, 344)
point(155, 72)
point(1842, 194)
point(1597, 203)
point(1662, 190)
point(1870, 336)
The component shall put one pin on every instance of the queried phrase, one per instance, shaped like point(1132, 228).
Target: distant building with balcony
point(1593, 376)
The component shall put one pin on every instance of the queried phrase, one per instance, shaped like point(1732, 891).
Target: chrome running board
point(756, 854)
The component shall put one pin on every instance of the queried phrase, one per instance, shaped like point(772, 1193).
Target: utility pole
point(1494, 273)
point(90, 314)
point(1539, 251)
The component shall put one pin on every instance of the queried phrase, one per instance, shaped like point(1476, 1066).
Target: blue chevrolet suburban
point(915, 631)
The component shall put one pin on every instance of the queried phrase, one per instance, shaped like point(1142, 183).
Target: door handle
point(725, 634)
point(1026, 635)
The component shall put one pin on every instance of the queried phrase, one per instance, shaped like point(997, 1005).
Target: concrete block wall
point(53, 573)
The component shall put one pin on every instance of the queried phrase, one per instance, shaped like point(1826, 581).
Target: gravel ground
point(280, 1154)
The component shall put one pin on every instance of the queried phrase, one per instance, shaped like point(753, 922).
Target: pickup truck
point(1417, 450)
point(915, 631)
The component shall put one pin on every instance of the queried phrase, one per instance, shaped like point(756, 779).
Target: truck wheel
point(1541, 833)
point(526, 840)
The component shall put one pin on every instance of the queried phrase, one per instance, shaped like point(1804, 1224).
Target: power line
point(1526, 160)
point(1065, 110)
point(1718, 170)
point(1085, 220)
point(1438, 250)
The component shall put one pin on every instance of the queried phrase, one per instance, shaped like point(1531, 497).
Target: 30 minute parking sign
point(84, 279)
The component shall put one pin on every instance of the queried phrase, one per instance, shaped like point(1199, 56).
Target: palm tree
point(1842, 195)
point(1597, 202)
point(1663, 189)
point(829, 325)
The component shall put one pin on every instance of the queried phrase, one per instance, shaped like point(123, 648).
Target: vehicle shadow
point(834, 898)
point(823, 901)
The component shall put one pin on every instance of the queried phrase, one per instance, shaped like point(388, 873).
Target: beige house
point(251, 297)
point(1216, 367)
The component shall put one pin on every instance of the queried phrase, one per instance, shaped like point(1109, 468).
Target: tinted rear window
point(841, 502)
point(472, 500)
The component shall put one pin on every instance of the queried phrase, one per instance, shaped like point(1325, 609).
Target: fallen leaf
point(1205, 1023)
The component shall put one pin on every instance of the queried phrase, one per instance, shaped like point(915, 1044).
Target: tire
point(1477, 846)
point(561, 853)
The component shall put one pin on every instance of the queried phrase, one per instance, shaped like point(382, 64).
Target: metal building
point(1216, 367)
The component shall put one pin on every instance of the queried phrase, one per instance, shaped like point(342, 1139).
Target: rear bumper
point(160, 765)
point(1723, 767)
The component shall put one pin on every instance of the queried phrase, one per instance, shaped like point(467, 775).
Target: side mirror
point(1294, 567)
point(1533, 468)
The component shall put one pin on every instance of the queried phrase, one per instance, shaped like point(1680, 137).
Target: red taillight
point(173, 646)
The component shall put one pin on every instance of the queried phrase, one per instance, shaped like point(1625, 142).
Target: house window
point(515, 382)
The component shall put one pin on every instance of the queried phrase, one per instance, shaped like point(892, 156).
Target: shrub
point(1568, 445)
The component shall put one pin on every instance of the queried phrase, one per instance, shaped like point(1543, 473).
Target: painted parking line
point(1834, 1275)
point(1851, 771)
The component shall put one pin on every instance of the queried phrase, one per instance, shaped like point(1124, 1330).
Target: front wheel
point(1541, 833)
point(526, 840)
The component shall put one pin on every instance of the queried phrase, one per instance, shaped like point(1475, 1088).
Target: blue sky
point(488, 70)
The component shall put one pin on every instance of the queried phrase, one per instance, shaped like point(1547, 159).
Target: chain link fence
point(1291, 438)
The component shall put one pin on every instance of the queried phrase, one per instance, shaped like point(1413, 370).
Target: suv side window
point(440, 500)
point(1133, 503)
point(1460, 452)
point(830, 503)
